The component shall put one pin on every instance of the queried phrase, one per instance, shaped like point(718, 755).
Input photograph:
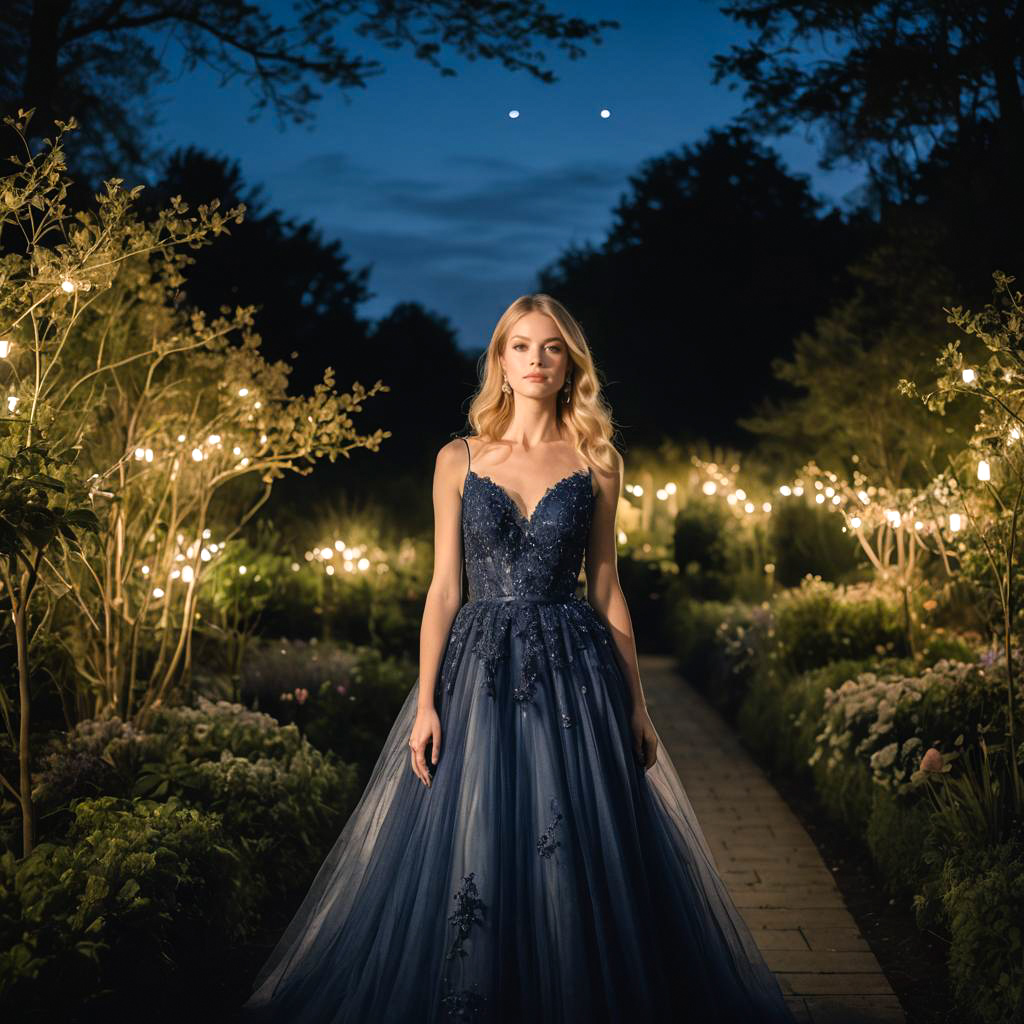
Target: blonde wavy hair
point(585, 420)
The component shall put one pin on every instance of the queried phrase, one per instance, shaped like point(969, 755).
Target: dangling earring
point(567, 389)
point(506, 387)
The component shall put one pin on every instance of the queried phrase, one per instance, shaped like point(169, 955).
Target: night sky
point(453, 203)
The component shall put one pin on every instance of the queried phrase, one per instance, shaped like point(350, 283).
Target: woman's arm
point(444, 595)
point(603, 589)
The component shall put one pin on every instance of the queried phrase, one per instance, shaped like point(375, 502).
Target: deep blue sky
point(455, 204)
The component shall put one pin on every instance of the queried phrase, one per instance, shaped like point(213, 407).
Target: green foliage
point(142, 897)
point(979, 899)
point(806, 540)
point(706, 551)
point(818, 623)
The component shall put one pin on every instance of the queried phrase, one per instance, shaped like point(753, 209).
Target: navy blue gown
point(544, 877)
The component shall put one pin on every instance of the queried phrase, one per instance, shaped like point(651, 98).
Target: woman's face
point(536, 357)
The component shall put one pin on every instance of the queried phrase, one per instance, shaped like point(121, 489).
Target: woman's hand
point(426, 729)
point(645, 739)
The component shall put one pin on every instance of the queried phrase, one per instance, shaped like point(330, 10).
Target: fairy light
point(158, 592)
point(819, 498)
point(145, 570)
point(855, 522)
point(5, 347)
point(638, 490)
point(197, 455)
point(954, 521)
point(181, 437)
point(12, 401)
point(968, 375)
point(741, 495)
point(710, 487)
point(785, 490)
point(187, 574)
point(242, 392)
point(670, 487)
point(835, 499)
point(214, 439)
point(749, 506)
point(242, 570)
point(329, 570)
point(149, 455)
point(363, 563)
point(984, 470)
point(140, 454)
point(67, 286)
point(327, 553)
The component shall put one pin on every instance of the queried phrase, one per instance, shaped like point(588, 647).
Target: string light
point(67, 285)
point(5, 347)
point(968, 375)
point(984, 471)
point(954, 521)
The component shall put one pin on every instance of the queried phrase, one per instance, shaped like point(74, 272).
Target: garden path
point(772, 867)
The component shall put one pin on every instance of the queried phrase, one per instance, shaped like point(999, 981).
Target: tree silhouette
point(304, 288)
point(716, 259)
point(885, 80)
point(96, 59)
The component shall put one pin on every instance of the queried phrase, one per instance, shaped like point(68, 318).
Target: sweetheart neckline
point(528, 520)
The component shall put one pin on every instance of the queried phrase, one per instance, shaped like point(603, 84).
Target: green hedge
point(142, 895)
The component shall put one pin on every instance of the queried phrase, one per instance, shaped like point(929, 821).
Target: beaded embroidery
point(466, 1004)
point(546, 846)
point(540, 556)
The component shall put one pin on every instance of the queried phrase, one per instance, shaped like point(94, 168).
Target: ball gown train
point(544, 877)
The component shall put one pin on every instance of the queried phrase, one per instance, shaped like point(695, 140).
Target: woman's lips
point(534, 376)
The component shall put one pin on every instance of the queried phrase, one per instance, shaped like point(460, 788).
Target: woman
point(523, 852)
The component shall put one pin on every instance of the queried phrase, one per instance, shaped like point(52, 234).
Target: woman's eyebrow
point(525, 338)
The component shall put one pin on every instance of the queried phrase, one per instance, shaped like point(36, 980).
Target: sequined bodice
point(508, 555)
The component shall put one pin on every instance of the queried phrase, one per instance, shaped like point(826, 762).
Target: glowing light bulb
point(984, 470)
point(819, 498)
point(954, 521)
point(606, 113)
point(327, 553)
point(785, 490)
point(214, 439)
point(766, 506)
point(710, 487)
point(187, 574)
point(329, 570)
point(513, 114)
point(670, 487)
point(5, 347)
point(67, 286)
point(140, 454)
point(158, 592)
point(145, 570)
point(835, 499)
point(12, 401)
point(968, 375)
point(242, 392)
point(741, 495)
point(197, 455)
point(661, 494)
point(363, 563)
point(855, 522)
point(181, 437)
point(638, 490)
point(242, 570)
point(749, 506)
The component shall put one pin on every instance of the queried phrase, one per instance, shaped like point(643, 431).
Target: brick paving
point(776, 876)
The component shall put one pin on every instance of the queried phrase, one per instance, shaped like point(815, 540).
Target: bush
point(805, 541)
point(819, 622)
point(281, 798)
point(979, 899)
point(143, 894)
point(706, 551)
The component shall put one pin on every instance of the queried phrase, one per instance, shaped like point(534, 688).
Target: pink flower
point(301, 693)
point(341, 688)
point(932, 761)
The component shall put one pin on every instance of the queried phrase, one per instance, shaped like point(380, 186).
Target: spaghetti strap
point(469, 457)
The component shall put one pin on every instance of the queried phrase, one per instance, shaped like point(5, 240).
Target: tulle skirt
point(544, 876)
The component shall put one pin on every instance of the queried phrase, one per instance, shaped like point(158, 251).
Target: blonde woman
point(524, 852)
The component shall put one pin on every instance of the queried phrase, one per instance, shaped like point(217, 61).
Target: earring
point(567, 389)
point(506, 387)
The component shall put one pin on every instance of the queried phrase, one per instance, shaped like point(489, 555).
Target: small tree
point(164, 420)
point(990, 473)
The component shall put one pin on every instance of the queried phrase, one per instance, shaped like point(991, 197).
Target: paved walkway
point(772, 867)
